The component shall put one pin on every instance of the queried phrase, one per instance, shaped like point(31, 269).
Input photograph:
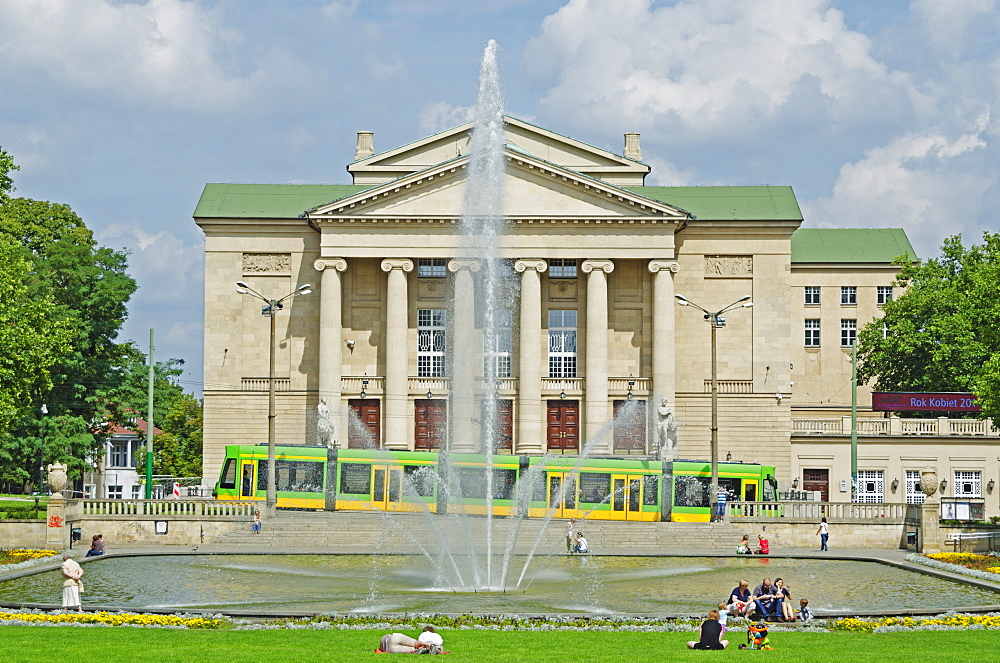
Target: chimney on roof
point(632, 150)
point(365, 146)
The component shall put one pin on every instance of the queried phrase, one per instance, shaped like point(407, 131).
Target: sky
point(878, 114)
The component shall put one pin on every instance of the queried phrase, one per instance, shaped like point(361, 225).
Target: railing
point(886, 512)
point(263, 384)
point(730, 386)
point(506, 386)
point(168, 507)
point(562, 384)
point(622, 386)
point(941, 426)
point(353, 384)
point(437, 386)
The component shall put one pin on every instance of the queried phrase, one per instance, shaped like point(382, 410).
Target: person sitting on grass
point(428, 642)
point(805, 612)
point(711, 634)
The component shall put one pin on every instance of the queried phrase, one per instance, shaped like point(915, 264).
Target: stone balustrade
point(160, 508)
point(889, 512)
point(895, 426)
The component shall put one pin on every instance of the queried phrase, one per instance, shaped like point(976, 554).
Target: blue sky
point(878, 114)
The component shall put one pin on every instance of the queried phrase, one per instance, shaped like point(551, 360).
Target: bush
point(21, 511)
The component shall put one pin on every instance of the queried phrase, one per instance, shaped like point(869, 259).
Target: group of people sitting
point(763, 546)
point(771, 601)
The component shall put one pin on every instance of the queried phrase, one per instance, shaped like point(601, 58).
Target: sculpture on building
point(666, 431)
point(324, 426)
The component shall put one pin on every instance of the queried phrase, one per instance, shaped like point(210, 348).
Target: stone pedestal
point(56, 537)
point(930, 530)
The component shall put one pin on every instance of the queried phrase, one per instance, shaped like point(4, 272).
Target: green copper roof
point(728, 203)
point(268, 201)
point(850, 245)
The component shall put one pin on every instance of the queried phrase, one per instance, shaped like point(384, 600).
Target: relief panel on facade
point(563, 290)
point(728, 266)
point(433, 289)
point(267, 263)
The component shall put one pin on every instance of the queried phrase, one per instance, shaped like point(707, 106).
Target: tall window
point(501, 340)
point(562, 344)
point(812, 333)
point(119, 454)
point(848, 333)
point(430, 342)
point(968, 484)
point(848, 295)
point(870, 486)
point(812, 295)
point(913, 493)
point(562, 269)
point(883, 294)
point(432, 268)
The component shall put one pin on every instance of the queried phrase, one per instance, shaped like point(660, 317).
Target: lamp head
point(242, 284)
point(305, 286)
point(743, 298)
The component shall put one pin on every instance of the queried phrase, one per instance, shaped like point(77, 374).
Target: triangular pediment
point(520, 135)
point(533, 189)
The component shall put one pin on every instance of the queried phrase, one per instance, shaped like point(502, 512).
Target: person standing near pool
point(72, 586)
point(824, 534)
point(569, 535)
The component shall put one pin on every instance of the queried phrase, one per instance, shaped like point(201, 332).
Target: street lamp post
point(271, 306)
point(715, 320)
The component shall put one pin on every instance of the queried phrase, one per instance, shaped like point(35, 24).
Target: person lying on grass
point(428, 642)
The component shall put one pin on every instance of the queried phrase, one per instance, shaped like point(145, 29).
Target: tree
point(87, 288)
point(943, 332)
point(177, 450)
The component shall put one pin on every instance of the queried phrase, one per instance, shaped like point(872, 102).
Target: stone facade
point(382, 249)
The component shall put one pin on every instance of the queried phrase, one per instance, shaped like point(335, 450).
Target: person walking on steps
point(824, 534)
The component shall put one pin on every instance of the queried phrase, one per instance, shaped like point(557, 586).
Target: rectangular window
point(356, 478)
point(419, 479)
point(812, 333)
point(228, 474)
point(119, 454)
point(692, 491)
point(870, 487)
point(883, 294)
point(594, 487)
point(430, 343)
point(562, 269)
point(501, 340)
point(562, 344)
point(114, 492)
point(848, 333)
point(432, 268)
point(913, 493)
point(812, 295)
point(650, 490)
point(135, 492)
point(968, 484)
point(848, 295)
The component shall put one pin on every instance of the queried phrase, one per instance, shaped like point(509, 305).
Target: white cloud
point(440, 116)
point(163, 52)
point(665, 173)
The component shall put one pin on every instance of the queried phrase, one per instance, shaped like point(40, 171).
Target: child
point(763, 547)
point(805, 614)
point(723, 617)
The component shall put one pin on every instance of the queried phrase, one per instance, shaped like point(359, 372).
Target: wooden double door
point(364, 425)
point(431, 424)
point(563, 427)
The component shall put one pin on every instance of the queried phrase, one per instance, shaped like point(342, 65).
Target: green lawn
point(33, 643)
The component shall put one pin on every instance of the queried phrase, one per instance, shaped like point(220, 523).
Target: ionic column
point(530, 413)
point(466, 355)
point(598, 410)
point(331, 326)
point(396, 353)
point(663, 369)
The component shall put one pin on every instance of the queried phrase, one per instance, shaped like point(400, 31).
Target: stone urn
point(57, 478)
point(928, 481)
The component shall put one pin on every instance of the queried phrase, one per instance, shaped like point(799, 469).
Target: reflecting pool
point(558, 584)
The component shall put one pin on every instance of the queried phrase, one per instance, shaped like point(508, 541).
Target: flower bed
point(112, 619)
point(886, 624)
point(987, 563)
point(18, 555)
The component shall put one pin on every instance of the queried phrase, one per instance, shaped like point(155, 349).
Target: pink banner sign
point(902, 401)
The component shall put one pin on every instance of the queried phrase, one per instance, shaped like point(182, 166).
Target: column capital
point(537, 264)
point(605, 266)
point(390, 264)
point(457, 264)
point(664, 265)
point(338, 264)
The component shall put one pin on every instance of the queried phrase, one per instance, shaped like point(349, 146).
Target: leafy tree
point(177, 450)
point(6, 181)
point(943, 332)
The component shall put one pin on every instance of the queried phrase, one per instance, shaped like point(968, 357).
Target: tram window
point(292, 476)
point(691, 491)
point(419, 479)
point(356, 479)
point(650, 490)
point(770, 494)
point(228, 474)
point(594, 487)
point(472, 482)
point(503, 483)
point(537, 482)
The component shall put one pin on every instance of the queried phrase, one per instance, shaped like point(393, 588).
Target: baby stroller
point(757, 637)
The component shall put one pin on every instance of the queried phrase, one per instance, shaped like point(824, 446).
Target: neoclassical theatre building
point(595, 325)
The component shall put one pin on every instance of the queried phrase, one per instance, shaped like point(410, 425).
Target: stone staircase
point(357, 532)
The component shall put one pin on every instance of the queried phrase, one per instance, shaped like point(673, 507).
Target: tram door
point(247, 479)
point(387, 488)
point(563, 489)
point(626, 497)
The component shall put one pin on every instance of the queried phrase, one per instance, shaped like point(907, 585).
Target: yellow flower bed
point(855, 625)
point(114, 619)
point(18, 555)
point(959, 558)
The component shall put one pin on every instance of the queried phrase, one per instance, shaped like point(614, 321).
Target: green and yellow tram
point(605, 488)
